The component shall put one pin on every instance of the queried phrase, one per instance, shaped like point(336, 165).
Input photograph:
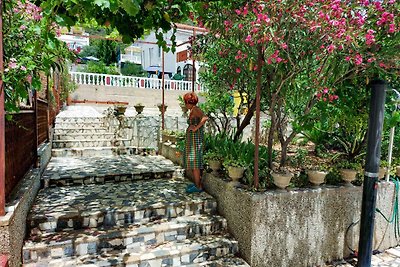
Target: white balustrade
point(84, 78)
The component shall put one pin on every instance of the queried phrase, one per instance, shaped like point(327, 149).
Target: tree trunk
point(246, 121)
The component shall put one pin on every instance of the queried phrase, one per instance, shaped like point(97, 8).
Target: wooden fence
point(21, 147)
point(42, 121)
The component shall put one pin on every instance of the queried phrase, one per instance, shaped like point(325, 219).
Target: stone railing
point(83, 78)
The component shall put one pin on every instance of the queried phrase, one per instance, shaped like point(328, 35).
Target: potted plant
point(235, 168)
point(160, 107)
point(281, 177)
point(317, 175)
point(120, 109)
point(139, 108)
point(168, 136)
point(214, 161)
point(348, 171)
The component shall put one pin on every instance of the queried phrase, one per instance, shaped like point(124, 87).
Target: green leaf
point(102, 3)
point(132, 7)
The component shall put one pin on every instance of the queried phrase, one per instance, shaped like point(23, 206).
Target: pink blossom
point(245, 11)
point(284, 46)
point(29, 78)
point(391, 28)
point(248, 39)
point(238, 70)
point(325, 91)
point(22, 27)
point(378, 6)
point(348, 58)
point(331, 47)
point(370, 38)
point(23, 68)
point(371, 59)
point(238, 12)
point(240, 26)
point(12, 65)
point(358, 59)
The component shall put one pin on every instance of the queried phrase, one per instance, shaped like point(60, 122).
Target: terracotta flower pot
point(282, 180)
point(160, 107)
point(316, 177)
point(139, 108)
point(235, 173)
point(348, 175)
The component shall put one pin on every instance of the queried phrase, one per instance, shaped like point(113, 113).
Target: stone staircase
point(92, 136)
point(121, 210)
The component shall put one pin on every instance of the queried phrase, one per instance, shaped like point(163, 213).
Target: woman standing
point(194, 141)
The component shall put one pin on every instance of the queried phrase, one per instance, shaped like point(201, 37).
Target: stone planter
point(120, 110)
point(316, 177)
point(398, 171)
point(139, 109)
point(160, 107)
point(382, 172)
point(348, 175)
point(215, 165)
point(169, 138)
point(235, 173)
point(282, 180)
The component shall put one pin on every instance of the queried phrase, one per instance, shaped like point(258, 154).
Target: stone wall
point(13, 224)
point(304, 227)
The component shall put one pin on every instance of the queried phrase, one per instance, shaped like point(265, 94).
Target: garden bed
point(303, 227)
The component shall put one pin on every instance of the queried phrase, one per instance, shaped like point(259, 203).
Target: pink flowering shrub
point(30, 47)
point(308, 49)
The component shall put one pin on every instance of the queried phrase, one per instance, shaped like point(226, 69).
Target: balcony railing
point(83, 78)
point(131, 58)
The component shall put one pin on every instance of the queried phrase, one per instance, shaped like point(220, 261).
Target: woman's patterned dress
point(194, 146)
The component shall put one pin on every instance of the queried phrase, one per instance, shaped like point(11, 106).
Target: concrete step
point(92, 241)
point(84, 136)
point(77, 125)
point(109, 205)
point(174, 253)
point(63, 171)
point(82, 143)
point(101, 151)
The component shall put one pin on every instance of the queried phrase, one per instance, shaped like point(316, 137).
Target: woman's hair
point(190, 98)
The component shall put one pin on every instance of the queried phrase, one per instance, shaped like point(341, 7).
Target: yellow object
point(237, 100)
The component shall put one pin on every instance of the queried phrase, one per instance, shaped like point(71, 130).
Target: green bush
point(132, 69)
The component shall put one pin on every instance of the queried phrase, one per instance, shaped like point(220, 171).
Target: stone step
point(101, 151)
point(68, 125)
point(79, 119)
point(113, 204)
point(82, 143)
point(84, 136)
point(221, 262)
point(173, 253)
point(63, 171)
point(92, 241)
point(84, 130)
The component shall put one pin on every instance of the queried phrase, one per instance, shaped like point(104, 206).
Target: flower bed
point(304, 227)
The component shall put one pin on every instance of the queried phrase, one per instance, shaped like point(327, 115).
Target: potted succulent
point(348, 171)
point(317, 175)
point(160, 107)
point(281, 177)
point(235, 168)
point(139, 108)
point(214, 161)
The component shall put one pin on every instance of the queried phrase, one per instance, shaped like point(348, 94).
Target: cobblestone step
point(63, 171)
point(92, 143)
point(79, 119)
point(174, 253)
point(77, 125)
point(108, 205)
point(92, 241)
point(101, 151)
point(84, 136)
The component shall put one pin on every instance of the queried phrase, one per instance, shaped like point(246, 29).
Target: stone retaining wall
point(13, 224)
point(304, 227)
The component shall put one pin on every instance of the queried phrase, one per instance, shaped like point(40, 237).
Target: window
point(188, 73)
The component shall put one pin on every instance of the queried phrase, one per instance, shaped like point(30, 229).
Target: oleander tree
point(303, 51)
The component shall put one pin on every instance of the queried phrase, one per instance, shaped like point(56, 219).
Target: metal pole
point(2, 124)
point(257, 134)
point(391, 140)
point(375, 125)
point(163, 88)
point(194, 61)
